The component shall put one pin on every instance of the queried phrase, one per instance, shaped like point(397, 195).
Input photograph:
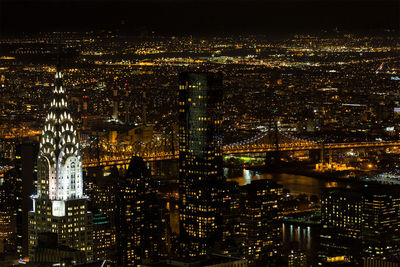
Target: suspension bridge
point(108, 154)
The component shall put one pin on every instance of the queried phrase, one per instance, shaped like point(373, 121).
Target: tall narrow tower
point(140, 226)
point(59, 207)
point(200, 162)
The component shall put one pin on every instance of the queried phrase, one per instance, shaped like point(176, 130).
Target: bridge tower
point(273, 158)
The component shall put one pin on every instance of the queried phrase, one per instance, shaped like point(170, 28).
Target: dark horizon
point(170, 17)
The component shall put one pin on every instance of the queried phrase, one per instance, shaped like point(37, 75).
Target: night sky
point(199, 17)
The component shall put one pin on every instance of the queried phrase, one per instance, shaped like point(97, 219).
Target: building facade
point(103, 238)
point(381, 222)
point(200, 162)
point(140, 231)
point(360, 224)
point(8, 212)
point(101, 190)
point(59, 205)
point(261, 222)
point(25, 165)
point(341, 220)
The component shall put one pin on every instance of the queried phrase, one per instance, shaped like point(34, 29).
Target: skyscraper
point(26, 154)
point(341, 219)
point(16, 189)
point(101, 190)
point(381, 222)
point(261, 222)
point(360, 223)
point(8, 213)
point(103, 238)
point(200, 161)
point(140, 232)
point(60, 206)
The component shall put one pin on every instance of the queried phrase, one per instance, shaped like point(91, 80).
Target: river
point(297, 184)
point(305, 238)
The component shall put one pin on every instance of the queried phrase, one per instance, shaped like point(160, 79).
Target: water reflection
point(297, 184)
point(247, 176)
point(305, 238)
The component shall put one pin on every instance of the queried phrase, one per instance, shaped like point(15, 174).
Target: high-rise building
point(59, 206)
point(230, 244)
point(381, 222)
point(101, 190)
point(360, 223)
point(25, 164)
point(15, 197)
point(200, 161)
point(261, 222)
point(8, 213)
point(103, 238)
point(140, 231)
point(341, 219)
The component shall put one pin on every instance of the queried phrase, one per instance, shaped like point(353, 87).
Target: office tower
point(261, 222)
point(101, 190)
point(360, 223)
point(140, 232)
point(230, 243)
point(25, 164)
point(200, 162)
point(341, 219)
point(103, 238)
point(8, 213)
point(59, 206)
point(381, 222)
point(15, 191)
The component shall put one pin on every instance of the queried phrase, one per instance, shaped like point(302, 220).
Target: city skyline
point(242, 133)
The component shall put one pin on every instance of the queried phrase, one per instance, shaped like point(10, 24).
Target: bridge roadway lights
point(261, 148)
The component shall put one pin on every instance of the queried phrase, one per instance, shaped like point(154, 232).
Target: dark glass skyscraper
point(26, 154)
point(140, 232)
point(200, 161)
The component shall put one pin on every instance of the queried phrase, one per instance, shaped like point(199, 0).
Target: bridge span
point(160, 153)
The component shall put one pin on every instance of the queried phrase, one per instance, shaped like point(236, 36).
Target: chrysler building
point(59, 207)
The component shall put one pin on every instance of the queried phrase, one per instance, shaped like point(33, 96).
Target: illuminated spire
point(59, 149)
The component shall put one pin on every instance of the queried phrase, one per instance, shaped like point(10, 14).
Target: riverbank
point(308, 169)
